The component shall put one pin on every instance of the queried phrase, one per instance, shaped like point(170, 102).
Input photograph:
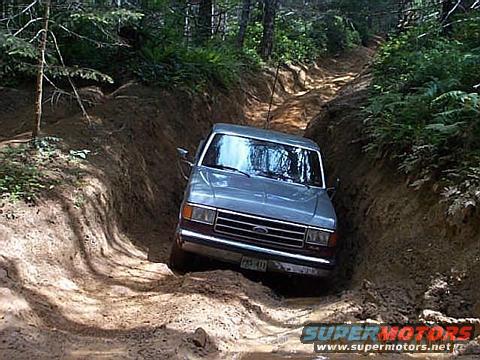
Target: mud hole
point(83, 271)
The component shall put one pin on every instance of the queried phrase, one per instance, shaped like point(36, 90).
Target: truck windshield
point(273, 160)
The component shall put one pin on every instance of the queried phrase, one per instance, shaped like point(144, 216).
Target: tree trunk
point(40, 72)
point(178, 20)
point(204, 31)
point(266, 45)
point(260, 8)
point(245, 18)
point(187, 29)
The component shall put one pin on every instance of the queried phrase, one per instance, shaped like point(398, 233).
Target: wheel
point(180, 260)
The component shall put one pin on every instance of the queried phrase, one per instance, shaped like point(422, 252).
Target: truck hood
point(261, 196)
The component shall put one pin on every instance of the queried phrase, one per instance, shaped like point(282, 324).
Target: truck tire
point(180, 260)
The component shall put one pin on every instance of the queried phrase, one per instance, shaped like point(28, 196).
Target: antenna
point(267, 122)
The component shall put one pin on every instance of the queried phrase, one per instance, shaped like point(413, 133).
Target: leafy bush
point(21, 169)
point(27, 170)
point(335, 33)
point(91, 38)
point(86, 39)
point(18, 60)
point(424, 110)
point(18, 180)
point(300, 40)
point(294, 40)
point(17, 57)
point(196, 67)
point(365, 15)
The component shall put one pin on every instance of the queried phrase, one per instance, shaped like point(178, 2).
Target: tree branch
point(20, 13)
point(27, 25)
point(77, 95)
point(96, 42)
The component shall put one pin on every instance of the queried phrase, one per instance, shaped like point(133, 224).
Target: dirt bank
point(409, 259)
point(82, 270)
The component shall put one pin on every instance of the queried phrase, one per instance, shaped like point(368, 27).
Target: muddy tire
point(180, 260)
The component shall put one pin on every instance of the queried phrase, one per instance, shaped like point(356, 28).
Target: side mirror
point(183, 157)
point(333, 189)
point(182, 153)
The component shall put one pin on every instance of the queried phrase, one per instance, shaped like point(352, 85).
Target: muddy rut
point(83, 271)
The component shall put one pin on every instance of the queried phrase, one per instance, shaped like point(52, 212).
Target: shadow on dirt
point(283, 285)
point(103, 225)
point(47, 312)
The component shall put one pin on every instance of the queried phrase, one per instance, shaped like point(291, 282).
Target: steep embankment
point(82, 271)
point(76, 278)
point(400, 247)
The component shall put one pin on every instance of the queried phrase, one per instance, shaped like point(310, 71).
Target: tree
point(204, 31)
point(164, 38)
point(40, 73)
point(244, 19)
point(269, 12)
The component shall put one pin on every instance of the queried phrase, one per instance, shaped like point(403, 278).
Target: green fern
point(424, 111)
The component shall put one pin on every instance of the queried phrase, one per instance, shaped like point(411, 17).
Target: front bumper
point(232, 251)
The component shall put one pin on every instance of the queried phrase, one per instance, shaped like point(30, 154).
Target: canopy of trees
point(199, 43)
point(166, 42)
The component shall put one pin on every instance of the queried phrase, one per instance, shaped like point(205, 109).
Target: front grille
point(258, 229)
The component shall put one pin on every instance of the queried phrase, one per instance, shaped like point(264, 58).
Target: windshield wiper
point(277, 176)
point(225, 167)
point(284, 177)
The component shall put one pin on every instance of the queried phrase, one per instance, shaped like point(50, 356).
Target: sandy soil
point(83, 271)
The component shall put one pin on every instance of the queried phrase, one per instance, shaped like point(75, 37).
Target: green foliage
point(425, 105)
point(335, 33)
point(468, 30)
point(17, 56)
point(253, 36)
point(86, 39)
point(156, 40)
point(195, 67)
point(18, 60)
point(301, 39)
point(108, 18)
point(370, 17)
point(294, 40)
point(29, 170)
point(21, 170)
point(90, 38)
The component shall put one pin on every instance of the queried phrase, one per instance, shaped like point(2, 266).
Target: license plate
point(253, 264)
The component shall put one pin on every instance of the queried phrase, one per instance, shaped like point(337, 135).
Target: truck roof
point(267, 135)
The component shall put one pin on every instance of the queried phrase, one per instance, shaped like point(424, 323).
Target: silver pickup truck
point(256, 198)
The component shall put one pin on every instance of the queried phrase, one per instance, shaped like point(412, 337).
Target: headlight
point(199, 214)
point(318, 237)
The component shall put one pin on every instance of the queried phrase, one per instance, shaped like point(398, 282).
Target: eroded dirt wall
point(399, 245)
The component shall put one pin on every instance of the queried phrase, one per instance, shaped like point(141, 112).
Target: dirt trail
point(296, 103)
point(77, 278)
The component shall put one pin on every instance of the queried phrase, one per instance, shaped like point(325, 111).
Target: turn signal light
point(187, 211)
